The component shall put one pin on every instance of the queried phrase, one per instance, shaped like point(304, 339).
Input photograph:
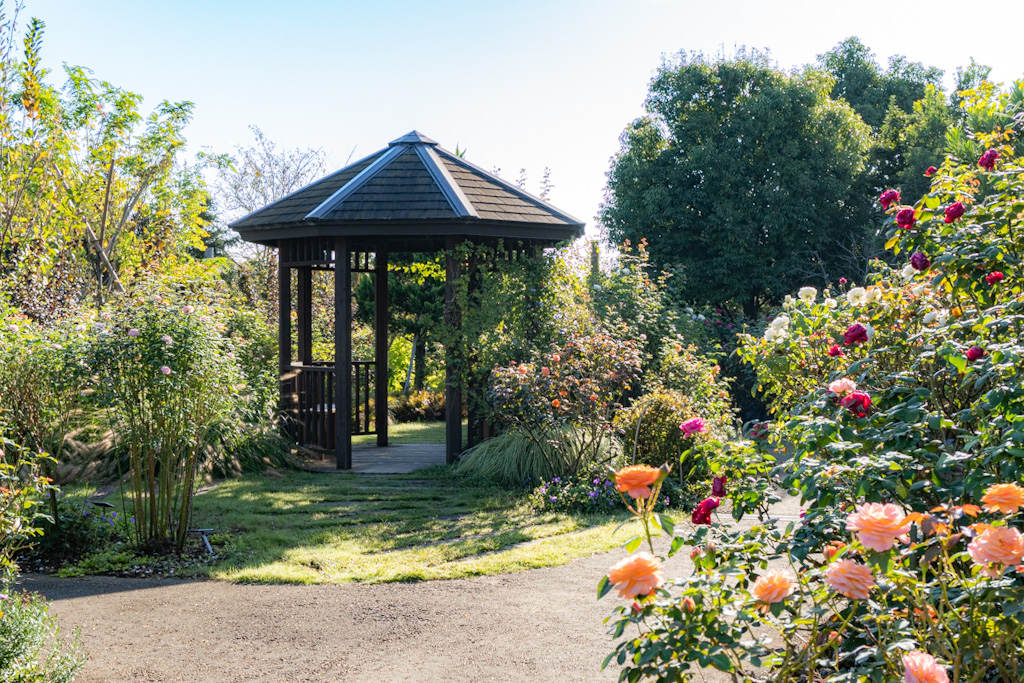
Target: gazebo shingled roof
point(411, 196)
point(415, 189)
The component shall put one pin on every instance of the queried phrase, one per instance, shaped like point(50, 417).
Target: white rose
point(831, 303)
point(870, 330)
point(857, 296)
point(942, 317)
point(779, 335)
point(908, 271)
point(929, 317)
point(808, 294)
point(781, 322)
point(873, 294)
point(770, 334)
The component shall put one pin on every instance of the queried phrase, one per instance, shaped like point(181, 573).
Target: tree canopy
point(742, 177)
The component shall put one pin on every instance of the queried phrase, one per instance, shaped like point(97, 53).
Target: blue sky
point(518, 85)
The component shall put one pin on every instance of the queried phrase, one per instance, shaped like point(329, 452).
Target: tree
point(742, 176)
point(254, 177)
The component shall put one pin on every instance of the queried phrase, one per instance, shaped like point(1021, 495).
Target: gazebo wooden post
point(342, 354)
point(304, 314)
point(474, 385)
point(380, 333)
point(452, 389)
point(284, 339)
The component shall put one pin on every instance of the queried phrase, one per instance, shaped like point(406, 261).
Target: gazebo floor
point(372, 459)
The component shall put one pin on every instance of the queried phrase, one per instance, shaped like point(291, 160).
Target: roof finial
point(413, 138)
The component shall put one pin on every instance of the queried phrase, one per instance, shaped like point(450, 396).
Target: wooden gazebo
point(412, 196)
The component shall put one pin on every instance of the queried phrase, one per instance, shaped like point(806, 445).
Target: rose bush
point(902, 404)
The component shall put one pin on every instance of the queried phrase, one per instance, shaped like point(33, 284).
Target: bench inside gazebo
point(412, 196)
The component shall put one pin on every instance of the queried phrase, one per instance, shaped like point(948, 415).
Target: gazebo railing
point(314, 387)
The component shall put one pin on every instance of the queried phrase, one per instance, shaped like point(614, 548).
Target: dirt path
point(537, 625)
point(540, 625)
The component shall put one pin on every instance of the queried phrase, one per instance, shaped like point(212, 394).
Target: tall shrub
point(168, 382)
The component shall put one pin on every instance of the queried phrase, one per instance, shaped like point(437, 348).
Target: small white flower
point(857, 296)
point(689, 311)
point(808, 294)
point(942, 317)
point(80, 328)
point(870, 330)
point(166, 339)
point(770, 334)
point(908, 271)
point(929, 317)
point(831, 303)
point(873, 295)
point(780, 323)
point(700, 316)
point(12, 328)
point(919, 289)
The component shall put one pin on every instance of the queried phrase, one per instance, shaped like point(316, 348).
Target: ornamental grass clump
point(901, 404)
point(169, 391)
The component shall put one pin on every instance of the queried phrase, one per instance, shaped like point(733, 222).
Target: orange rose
point(637, 575)
point(996, 547)
point(878, 525)
point(636, 480)
point(1005, 498)
point(775, 586)
point(832, 549)
point(556, 403)
point(849, 578)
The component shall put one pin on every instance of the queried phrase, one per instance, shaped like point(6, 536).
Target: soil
point(539, 625)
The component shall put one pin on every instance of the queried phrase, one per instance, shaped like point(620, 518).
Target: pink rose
point(188, 309)
point(694, 425)
point(164, 369)
point(133, 332)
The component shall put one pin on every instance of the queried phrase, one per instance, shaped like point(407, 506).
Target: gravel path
point(539, 625)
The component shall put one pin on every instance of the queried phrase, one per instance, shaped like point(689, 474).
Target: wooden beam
point(452, 388)
point(284, 343)
point(342, 354)
point(304, 319)
point(381, 352)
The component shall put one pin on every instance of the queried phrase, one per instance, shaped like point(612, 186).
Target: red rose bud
point(931, 171)
point(919, 260)
point(988, 160)
point(857, 402)
point(889, 197)
point(994, 277)
point(855, 334)
point(688, 604)
point(954, 211)
point(718, 486)
point(842, 280)
point(975, 353)
point(835, 351)
point(905, 218)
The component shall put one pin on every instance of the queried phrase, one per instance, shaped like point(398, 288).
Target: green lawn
point(431, 524)
point(411, 432)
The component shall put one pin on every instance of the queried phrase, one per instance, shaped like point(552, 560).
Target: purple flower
point(556, 480)
point(554, 500)
point(592, 494)
point(718, 486)
point(919, 260)
point(597, 481)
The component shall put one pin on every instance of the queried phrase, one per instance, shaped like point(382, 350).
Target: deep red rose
point(988, 159)
point(835, 351)
point(718, 486)
point(857, 402)
point(994, 277)
point(889, 197)
point(919, 260)
point(975, 353)
point(931, 171)
point(702, 513)
point(954, 211)
point(905, 218)
point(855, 334)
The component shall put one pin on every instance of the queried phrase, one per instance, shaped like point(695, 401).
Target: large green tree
point(743, 177)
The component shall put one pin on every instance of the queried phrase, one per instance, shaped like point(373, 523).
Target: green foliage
point(564, 401)
point(79, 530)
point(22, 487)
point(31, 647)
point(510, 459)
point(717, 125)
point(417, 406)
point(168, 383)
